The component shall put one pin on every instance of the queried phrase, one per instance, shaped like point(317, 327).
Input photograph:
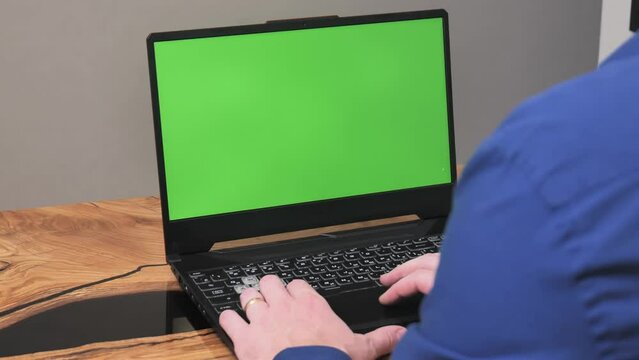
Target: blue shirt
point(541, 258)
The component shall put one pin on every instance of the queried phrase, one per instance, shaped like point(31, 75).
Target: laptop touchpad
point(362, 311)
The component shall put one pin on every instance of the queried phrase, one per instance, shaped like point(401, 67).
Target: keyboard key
point(312, 278)
point(334, 267)
point(345, 273)
point(319, 261)
point(344, 281)
point(399, 249)
point(253, 271)
point(391, 265)
point(327, 284)
point(328, 276)
point(304, 258)
point(373, 247)
point(234, 274)
point(224, 299)
point(269, 269)
point(239, 288)
point(301, 273)
point(360, 278)
point(266, 263)
point(248, 266)
point(398, 257)
point(360, 270)
point(318, 269)
point(336, 259)
point(218, 292)
point(354, 286)
point(217, 276)
point(211, 285)
point(351, 257)
point(423, 245)
point(250, 280)
point(367, 254)
point(202, 280)
point(350, 264)
point(284, 267)
point(336, 252)
point(233, 282)
point(376, 268)
point(220, 308)
point(303, 264)
point(383, 259)
point(315, 285)
point(285, 274)
point(367, 262)
point(196, 274)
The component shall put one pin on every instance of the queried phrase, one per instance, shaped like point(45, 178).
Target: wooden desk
point(54, 256)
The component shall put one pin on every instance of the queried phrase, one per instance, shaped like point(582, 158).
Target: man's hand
point(409, 278)
point(296, 315)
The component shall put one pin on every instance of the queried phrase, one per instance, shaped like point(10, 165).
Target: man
point(541, 258)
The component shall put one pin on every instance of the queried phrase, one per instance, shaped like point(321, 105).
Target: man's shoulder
point(576, 136)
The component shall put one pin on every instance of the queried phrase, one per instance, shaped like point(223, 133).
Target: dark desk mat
point(104, 319)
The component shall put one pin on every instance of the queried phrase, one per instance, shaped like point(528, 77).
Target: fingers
point(420, 281)
point(273, 289)
point(233, 324)
point(255, 306)
point(428, 261)
point(299, 288)
point(383, 340)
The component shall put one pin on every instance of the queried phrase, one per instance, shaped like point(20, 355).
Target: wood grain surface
point(53, 256)
point(48, 251)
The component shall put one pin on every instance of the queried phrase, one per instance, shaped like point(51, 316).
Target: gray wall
point(75, 112)
point(615, 29)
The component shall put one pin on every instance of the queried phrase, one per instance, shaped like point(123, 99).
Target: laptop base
point(367, 316)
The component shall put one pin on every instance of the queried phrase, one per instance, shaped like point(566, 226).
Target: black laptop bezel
point(186, 236)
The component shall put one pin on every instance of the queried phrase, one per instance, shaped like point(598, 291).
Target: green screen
point(261, 120)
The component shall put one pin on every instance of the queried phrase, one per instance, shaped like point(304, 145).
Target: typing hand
point(296, 315)
point(409, 278)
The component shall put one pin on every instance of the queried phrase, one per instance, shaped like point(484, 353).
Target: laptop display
point(262, 120)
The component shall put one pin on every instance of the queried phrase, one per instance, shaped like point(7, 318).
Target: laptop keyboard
point(329, 273)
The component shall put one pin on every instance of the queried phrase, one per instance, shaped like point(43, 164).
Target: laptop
point(302, 124)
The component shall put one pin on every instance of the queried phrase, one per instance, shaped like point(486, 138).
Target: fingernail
point(382, 299)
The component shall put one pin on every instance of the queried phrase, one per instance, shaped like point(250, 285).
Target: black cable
point(70, 290)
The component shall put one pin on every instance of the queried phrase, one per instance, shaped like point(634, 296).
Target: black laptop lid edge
point(199, 234)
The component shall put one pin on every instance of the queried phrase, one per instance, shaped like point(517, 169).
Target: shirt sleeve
point(503, 290)
point(312, 353)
